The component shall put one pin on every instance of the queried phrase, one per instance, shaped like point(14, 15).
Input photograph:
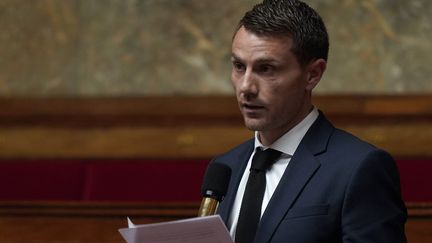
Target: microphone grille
point(216, 180)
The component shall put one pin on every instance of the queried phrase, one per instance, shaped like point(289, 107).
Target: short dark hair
point(291, 18)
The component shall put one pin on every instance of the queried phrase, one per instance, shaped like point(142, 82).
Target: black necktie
point(250, 211)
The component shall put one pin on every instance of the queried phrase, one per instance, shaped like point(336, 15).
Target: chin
point(254, 125)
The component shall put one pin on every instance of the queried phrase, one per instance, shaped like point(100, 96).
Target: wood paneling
point(96, 112)
point(167, 110)
point(190, 127)
point(119, 142)
point(99, 221)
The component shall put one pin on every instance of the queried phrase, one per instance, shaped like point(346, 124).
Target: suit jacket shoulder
point(239, 152)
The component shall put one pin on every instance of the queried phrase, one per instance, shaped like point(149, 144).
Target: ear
point(315, 71)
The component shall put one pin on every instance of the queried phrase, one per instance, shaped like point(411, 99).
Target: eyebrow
point(259, 60)
point(235, 57)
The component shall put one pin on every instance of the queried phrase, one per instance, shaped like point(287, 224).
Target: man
point(324, 184)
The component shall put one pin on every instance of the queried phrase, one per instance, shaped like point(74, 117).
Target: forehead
point(250, 46)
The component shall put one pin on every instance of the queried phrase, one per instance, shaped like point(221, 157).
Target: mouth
point(252, 108)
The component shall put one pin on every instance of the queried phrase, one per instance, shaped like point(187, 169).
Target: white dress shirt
point(287, 144)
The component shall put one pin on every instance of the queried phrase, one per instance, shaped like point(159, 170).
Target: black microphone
point(214, 187)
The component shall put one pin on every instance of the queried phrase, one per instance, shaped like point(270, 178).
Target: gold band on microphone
point(208, 207)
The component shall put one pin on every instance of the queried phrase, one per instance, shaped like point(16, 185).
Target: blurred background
point(113, 108)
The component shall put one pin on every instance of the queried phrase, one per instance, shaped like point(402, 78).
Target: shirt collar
point(289, 142)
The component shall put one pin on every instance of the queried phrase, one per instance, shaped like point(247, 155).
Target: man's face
point(272, 88)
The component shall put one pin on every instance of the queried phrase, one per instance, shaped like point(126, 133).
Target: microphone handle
point(208, 207)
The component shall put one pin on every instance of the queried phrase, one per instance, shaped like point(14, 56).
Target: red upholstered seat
point(416, 179)
point(107, 180)
point(41, 180)
point(149, 180)
point(145, 180)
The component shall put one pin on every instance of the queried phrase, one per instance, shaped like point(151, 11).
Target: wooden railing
point(51, 222)
point(190, 127)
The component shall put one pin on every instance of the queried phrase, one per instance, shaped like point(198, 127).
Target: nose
point(248, 85)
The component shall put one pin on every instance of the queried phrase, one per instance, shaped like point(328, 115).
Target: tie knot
point(263, 160)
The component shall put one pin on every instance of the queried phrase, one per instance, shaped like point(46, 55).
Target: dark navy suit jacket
point(336, 188)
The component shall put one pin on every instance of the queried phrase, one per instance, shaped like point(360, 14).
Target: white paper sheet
point(208, 229)
point(130, 224)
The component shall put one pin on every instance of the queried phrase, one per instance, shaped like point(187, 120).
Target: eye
point(266, 68)
point(238, 66)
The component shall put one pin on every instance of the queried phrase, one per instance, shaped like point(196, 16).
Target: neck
point(268, 137)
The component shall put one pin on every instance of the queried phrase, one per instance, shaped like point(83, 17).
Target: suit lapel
point(301, 168)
